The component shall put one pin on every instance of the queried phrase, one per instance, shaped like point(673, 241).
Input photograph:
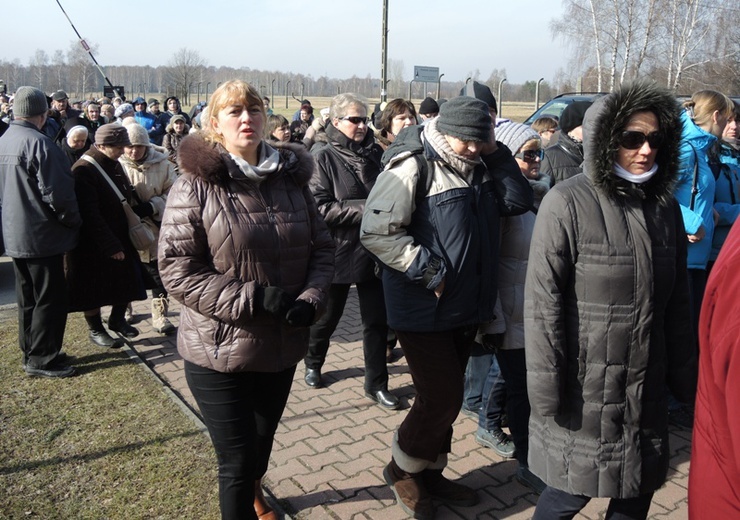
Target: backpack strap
point(694, 181)
point(425, 179)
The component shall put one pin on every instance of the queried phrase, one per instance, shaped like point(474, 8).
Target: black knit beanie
point(572, 116)
point(466, 118)
point(428, 106)
point(480, 91)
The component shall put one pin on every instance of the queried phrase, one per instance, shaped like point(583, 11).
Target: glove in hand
point(301, 314)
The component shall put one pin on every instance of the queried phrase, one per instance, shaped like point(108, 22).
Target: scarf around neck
point(440, 145)
point(635, 179)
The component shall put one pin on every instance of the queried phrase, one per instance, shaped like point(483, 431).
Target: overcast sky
point(336, 38)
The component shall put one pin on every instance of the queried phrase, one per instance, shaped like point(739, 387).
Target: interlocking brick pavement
point(333, 442)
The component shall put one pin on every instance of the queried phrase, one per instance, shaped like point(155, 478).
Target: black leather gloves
point(301, 314)
point(273, 300)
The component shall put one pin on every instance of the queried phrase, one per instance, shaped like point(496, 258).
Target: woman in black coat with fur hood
point(607, 326)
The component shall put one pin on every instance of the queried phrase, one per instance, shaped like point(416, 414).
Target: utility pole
point(384, 55)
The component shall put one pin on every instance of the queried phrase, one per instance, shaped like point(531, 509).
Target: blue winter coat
point(695, 143)
point(726, 196)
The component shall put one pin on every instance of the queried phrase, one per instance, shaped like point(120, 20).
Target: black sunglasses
point(632, 140)
point(530, 156)
point(355, 120)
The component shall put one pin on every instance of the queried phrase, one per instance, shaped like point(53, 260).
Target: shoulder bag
point(140, 234)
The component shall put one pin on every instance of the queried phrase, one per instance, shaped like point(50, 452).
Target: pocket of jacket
point(377, 219)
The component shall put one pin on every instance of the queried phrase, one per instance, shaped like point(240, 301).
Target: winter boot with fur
point(160, 323)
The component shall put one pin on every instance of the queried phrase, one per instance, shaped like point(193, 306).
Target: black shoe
point(102, 339)
point(385, 399)
point(525, 477)
point(53, 370)
point(123, 328)
point(313, 377)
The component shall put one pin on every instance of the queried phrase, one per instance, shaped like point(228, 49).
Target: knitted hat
point(153, 101)
point(428, 106)
point(138, 135)
point(59, 95)
point(112, 134)
point(514, 135)
point(572, 116)
point(29, 102)
point(123, 109)
point(480, 91)
point(465, 118)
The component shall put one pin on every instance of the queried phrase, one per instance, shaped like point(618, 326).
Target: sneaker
point(525, 477)
point(682, 417)
point(497, 440)
point(53, 370)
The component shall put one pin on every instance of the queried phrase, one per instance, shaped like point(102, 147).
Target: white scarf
point(631, 177)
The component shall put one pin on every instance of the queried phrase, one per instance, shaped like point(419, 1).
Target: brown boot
point(447, 491)
point(261, 507)
point(409, 491)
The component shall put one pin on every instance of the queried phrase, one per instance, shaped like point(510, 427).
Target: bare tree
point(59, 66)
point(83, 74)
point(185, 67)
point(39, 68)
point(397, 82)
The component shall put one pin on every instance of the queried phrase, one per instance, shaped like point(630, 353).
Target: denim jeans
point(242, 411)
point(477, 375)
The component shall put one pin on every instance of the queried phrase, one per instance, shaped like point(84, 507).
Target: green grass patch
point(106, 444)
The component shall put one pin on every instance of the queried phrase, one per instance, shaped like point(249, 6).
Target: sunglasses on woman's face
point(530, 156)
point(355, 120)
point(632, 140)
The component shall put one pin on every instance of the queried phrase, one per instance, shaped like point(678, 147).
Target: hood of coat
point(606, 120)
point(213, 163)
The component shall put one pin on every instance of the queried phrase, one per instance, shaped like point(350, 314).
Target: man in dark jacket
point(432, 220)
point(563, 159)
point(40, 221)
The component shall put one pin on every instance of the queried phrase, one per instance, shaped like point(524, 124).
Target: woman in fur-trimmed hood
point(607, 311)
point(243, 248)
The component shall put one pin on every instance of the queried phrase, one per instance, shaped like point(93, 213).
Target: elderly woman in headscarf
point(75, 143)
point(152, 176)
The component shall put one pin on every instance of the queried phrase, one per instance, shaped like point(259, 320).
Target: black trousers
point(41, 290)
point(513, 368)
point(242, 411)
point(374, 330)
point(437, 362)
point(154, 282)
point(555, 504)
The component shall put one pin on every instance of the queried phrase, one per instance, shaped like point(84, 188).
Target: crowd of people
point(547, 279)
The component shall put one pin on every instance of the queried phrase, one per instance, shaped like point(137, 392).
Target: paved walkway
point(333, 442)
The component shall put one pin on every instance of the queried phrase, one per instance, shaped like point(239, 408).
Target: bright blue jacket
point(726, 196)
point(694, 145)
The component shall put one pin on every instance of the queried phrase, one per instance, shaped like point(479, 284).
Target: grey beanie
point(124, 109)
point(514, 135)
point(29, 102)
point(466, 118)
point(138, 135)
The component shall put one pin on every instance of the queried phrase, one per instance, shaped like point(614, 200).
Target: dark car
point(556, 105)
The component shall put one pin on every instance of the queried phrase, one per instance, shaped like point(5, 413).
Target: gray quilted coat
point(607, 327)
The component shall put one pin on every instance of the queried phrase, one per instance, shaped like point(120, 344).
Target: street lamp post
point(272, 91)
point(287, 86)
point(439, 84)
point(500, 101)
point(208, 86)
point(537, 94)
point(199, 83)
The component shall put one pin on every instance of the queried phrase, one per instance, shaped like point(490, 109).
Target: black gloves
point(298, 313)
point(273, 300)
point(143, 210)
point(301, 314)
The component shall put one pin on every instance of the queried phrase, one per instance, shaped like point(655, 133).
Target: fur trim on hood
point(213, 163)
point(603, 125)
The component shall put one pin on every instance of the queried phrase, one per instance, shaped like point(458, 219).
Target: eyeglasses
point(632, 140)
point(530, 156)
point(355, 120)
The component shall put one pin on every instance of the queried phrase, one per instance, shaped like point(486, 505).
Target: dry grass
point(108, 443)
